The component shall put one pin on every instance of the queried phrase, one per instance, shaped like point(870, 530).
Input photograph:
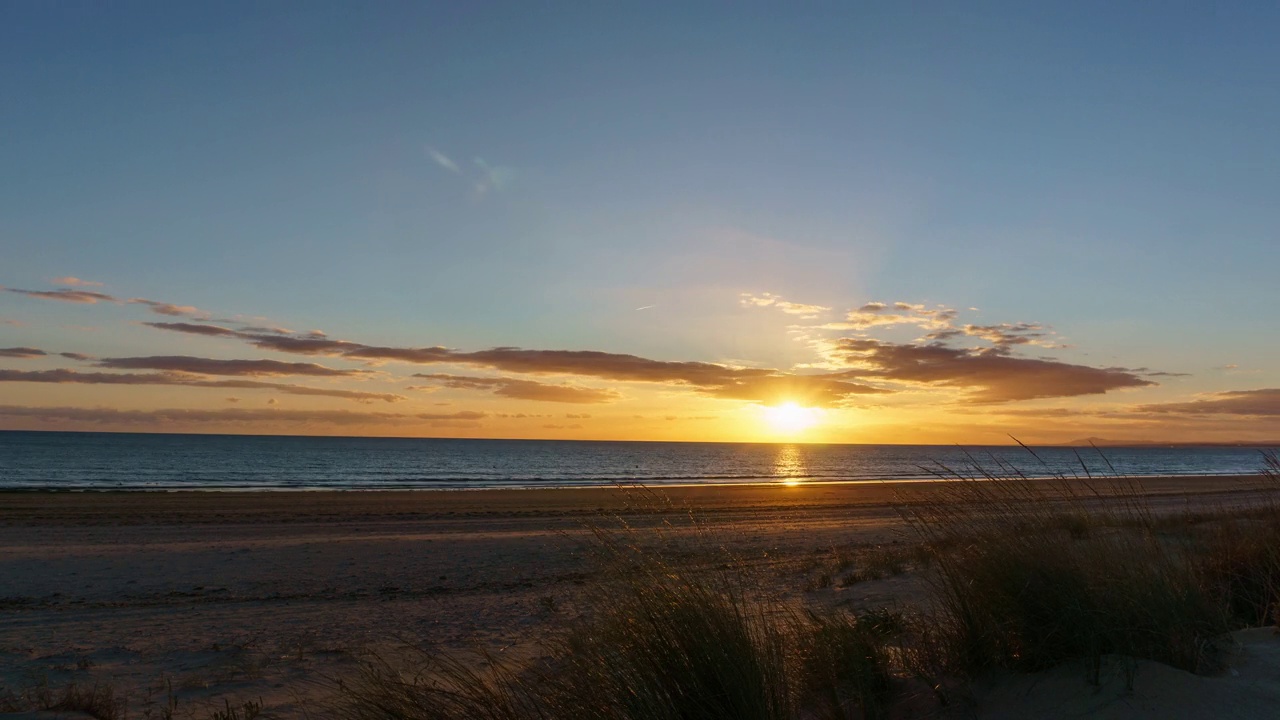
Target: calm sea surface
point(33, 460)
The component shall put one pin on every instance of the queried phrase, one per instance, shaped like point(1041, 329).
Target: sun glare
point(790, 419)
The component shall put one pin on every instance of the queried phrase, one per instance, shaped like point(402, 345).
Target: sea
point(160, 462)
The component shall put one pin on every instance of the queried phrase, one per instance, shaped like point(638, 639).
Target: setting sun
point(790, 418)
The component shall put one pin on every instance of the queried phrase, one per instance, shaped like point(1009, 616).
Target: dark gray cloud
point(1006, 335)
point(879, 314)
point(988, 376)
point(21, 352)
point(210, 366)
point(519, 389)
point(76, 356)
point(63, 376)
point(195, 329)
point(1263, 402)
point(234, 416)
point(85, 297)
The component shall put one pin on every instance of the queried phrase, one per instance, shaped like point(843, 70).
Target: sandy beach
point(265, 595)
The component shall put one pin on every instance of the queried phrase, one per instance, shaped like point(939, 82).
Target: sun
point(790, 419)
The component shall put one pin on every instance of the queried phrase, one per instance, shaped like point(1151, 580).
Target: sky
point(844, 222)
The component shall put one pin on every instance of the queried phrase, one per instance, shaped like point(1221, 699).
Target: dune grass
point(1038, 572)
point(664, 640)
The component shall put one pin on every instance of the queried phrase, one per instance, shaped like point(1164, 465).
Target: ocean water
point(53, 460)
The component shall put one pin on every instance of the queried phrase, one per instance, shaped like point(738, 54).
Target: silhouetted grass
point(662, 640)
point(1037, 572)
point(97, 701)
point(664, 646)
point(846, 665)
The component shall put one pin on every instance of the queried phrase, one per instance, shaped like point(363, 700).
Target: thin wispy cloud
point(492, 177)
point(442, 160)
point(483, 177)
point(804, 310)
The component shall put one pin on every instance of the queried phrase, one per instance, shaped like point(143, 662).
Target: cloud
point(988, 376)
point(442, 160)
point(85, 297)
point(786, 306)
point(1264, 402)
point(11, 323)
point(22, 352)
point(164, 308)
point(233, 416)
point(806, 390)
point(721, 381)
point(1004, 336)
point(75, 282)
point(518, 389)
point(76, 356)
point(63, 376)
point(492, 177)
point(483, 177)
point(209, 366)
point(195, 329)
point(89, 297)
point(357, 395)
point(879, 314)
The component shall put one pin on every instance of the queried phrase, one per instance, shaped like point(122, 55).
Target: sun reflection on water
point(788, 466)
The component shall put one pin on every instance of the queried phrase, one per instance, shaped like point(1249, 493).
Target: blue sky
point(425, 174)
